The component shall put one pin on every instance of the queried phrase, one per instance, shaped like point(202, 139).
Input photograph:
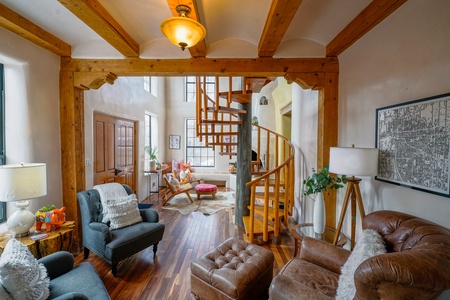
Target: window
point(2, 135)
point(150, 136)
point(147, 84)
point(196, 152)
point(191, 83)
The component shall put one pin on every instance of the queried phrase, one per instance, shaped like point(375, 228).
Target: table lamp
point(353, 162)
point(20, 183)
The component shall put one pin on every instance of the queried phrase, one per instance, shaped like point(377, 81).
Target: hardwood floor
point(167, 276)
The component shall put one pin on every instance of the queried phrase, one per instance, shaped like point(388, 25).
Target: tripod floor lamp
point(352, 162)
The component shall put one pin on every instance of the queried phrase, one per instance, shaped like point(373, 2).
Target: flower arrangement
point(322, 181)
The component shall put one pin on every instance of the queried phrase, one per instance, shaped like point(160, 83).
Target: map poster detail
point(413, 140)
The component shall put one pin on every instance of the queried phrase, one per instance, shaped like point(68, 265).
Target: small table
point(59, 239)
point(306, 229)
point(157, 172)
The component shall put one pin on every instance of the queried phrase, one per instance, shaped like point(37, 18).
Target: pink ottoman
point(206, 189)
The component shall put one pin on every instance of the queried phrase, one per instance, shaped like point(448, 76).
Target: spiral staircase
point(272, 186)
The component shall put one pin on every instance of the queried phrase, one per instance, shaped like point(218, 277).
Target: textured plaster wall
point(404, 58)
point(32, 112)
point(126, 99)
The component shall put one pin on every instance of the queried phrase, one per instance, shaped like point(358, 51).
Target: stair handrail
point(288, 166)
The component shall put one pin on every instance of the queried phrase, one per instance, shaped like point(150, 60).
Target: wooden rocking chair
point(172, 192)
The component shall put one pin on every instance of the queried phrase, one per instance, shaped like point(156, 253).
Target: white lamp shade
point(22, 181)
point(354, 161)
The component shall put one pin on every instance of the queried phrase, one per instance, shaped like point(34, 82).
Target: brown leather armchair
point(416, 265)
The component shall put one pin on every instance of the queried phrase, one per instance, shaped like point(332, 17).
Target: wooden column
point(327, 135)
point(72, 150)
point(244, 165)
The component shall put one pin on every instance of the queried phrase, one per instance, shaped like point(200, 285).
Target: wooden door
point(125, 152)
point(104, 149)
point(114, 150)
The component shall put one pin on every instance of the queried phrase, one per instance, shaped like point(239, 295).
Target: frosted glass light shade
point(183, 32)
point(22, 181)
point(354, 161)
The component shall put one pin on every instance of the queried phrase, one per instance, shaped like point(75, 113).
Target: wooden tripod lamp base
point(353, 161)
point(352, 194)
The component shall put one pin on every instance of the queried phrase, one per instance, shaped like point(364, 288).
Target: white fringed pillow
point(21, 275)
point(123, 211)
point(370, 244)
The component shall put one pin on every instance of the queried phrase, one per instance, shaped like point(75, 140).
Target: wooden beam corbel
point(313, 81)
point(94, 80)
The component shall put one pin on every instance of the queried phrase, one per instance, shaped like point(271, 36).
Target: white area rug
point(206, 206)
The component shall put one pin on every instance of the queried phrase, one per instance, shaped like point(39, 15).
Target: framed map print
point(413, 140)
point(174, 142)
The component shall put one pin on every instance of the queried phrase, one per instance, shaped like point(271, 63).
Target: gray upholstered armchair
point(118, 244)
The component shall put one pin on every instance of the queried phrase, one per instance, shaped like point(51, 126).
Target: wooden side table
point(306, 229)
point(57, 240)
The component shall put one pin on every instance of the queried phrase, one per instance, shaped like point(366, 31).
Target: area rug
point(206, 206)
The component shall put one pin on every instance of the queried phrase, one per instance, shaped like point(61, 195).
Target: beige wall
point(32, 112)
point(404, 58)
point(127, 99)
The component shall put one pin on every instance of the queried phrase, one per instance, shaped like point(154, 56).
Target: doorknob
point(117, 171)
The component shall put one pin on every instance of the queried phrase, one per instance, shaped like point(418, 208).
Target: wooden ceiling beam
point(94, 15)
point(260, 67)
point(373, 14)
point(280, 16)
point(14, 22)
point(198, 50)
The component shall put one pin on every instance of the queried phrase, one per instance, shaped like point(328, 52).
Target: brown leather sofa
point(416, 265)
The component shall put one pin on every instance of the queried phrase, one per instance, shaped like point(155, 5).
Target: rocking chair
point(171, 191)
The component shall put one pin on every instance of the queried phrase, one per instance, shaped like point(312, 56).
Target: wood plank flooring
point(167, 276)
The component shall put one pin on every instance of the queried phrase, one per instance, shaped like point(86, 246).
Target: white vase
point(319, 214)
point(153, 165)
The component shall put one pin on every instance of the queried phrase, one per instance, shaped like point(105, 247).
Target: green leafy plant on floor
point(322, 181)
point(152, 152)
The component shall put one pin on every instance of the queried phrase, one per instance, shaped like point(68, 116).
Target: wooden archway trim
point(93, 80)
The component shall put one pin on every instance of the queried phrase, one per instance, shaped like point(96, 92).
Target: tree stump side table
point(306, 229)
point(57, 240)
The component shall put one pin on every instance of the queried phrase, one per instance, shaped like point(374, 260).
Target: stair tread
point(259, 209)
point(225, 109)
point(238, 97)
point(281, 195)
point(205, 121)
point(258, 226)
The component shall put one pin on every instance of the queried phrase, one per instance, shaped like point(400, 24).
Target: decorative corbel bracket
point(313, 81)
point(93, 80)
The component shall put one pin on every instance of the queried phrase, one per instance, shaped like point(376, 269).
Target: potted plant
point(318, 183)
point(152, 151)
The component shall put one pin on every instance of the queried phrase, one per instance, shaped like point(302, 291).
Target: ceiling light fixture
point(183, 31)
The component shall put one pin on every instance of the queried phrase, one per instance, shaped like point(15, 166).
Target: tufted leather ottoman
point(234, 270)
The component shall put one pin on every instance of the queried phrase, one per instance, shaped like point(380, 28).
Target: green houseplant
point(152, 152)
point(319, 182)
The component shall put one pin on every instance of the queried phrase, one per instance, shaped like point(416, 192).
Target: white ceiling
point(234, 27)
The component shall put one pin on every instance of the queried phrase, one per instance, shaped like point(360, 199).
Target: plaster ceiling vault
point(115, 29)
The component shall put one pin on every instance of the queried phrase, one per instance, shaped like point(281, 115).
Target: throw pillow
point(174, 183)
point(186, 166)
point(187, 178)
point(370, 244)
point(123, 212)
point(20, 273)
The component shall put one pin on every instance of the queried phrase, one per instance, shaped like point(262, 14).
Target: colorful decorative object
point(232, 167)
point(51, 216)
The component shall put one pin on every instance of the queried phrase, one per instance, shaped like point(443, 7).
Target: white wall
point(127, 99)
point(404, 58)
point(32, 112)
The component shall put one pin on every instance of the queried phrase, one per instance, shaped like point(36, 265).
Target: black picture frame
point(413, 139)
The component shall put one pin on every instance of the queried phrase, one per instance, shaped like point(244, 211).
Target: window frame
point(197, 145)
point(190, 87)
point(2, 134)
